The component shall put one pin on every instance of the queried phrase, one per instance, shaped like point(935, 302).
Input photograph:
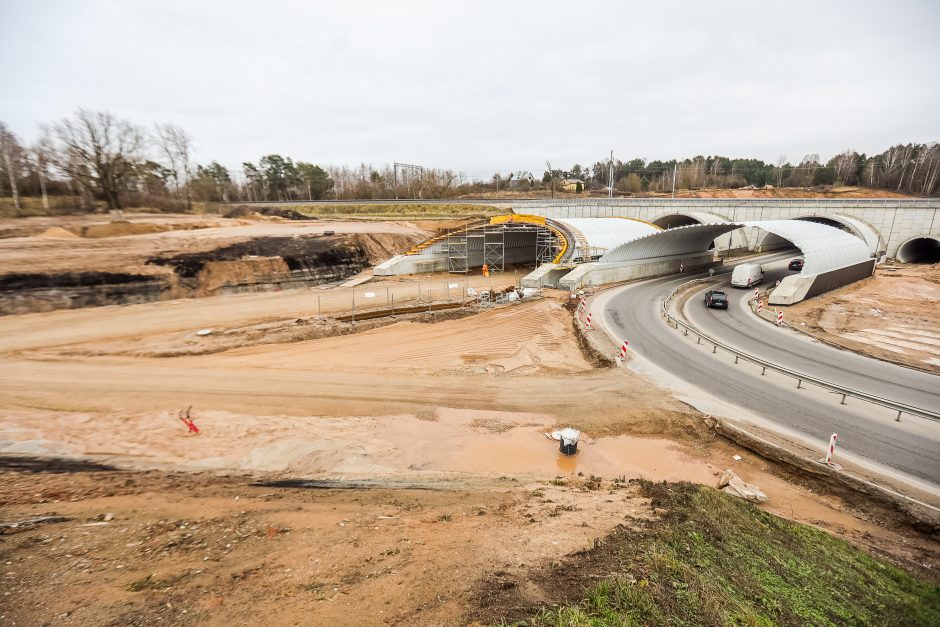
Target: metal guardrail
point(901, 408)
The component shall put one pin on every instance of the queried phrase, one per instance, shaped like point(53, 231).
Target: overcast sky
point(483, 86)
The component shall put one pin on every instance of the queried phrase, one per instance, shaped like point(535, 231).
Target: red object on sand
point(186, 420)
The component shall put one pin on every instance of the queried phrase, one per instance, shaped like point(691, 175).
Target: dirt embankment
point(894, 316)
point(60, 269)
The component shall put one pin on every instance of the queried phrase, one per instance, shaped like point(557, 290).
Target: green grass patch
point(713, 559)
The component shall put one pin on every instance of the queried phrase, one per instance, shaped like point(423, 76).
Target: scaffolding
point(494, 249)
point(546, 246)
point(457, 258)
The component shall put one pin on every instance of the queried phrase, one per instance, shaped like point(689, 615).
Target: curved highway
point(912, 446)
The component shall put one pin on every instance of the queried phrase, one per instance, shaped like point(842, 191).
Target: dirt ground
point(894, 315)
point(141, 547)
point(422, 443)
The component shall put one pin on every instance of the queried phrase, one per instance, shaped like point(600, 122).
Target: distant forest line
point(94, 157)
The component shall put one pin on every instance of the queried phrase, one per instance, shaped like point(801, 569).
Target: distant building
point(521, 180)
point(571, 185)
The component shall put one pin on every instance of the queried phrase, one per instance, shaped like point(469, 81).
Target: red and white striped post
point(587, 323)
point(581, 309)
point(623, 348)
point(832, 448)
point(779, 318)
point(760, 305)
point(756, 292)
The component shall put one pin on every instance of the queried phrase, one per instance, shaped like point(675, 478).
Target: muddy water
point(443, 441)
point(526, 450)
point(485, 442)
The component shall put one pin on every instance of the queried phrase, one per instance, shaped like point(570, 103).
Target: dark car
point(796, 264)
point(716, 298)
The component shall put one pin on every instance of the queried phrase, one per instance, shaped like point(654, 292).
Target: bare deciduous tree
point(41, 153)
point(99, 151)
point(845, 164)
point(10, 152)
point(175, 146)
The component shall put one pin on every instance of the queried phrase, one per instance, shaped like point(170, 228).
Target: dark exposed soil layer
point(242, 211)
point(258, 264)
point(16, 282)
point(299, 253)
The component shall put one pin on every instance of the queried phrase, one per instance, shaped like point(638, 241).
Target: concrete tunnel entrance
point(499, 246)
point(920, 250)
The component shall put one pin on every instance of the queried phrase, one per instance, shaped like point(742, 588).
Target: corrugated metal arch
point(607, 233)
point(682, 240)
point(856, 226)
point(824, 247)
point(701, 217)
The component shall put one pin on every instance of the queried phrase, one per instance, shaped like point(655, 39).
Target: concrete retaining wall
point(603, 273)
point(411, 264)
point(794, 288)
point(546, 275)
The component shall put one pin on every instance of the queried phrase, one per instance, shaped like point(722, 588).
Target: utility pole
point(610, 189)
point(674, 168)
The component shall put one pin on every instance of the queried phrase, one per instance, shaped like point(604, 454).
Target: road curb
point(922, 515)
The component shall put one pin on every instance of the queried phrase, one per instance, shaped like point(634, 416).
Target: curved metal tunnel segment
point(824, 247)
point(687, 218)
point(924, 249)
point(596, 236)
point(856, 227)
point(682, 240)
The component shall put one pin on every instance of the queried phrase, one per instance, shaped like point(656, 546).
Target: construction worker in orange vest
point(486, 270)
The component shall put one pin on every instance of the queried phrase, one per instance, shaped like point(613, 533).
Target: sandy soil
point(195, 548)
point(439, 425)
point(894, 315)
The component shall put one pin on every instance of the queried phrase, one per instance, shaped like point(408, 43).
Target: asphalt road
point(913, 446)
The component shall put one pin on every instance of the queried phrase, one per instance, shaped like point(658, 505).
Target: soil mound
point(57, 232)
point(121, 229)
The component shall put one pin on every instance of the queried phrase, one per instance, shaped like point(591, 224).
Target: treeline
point(95, 156)
point(911, 168)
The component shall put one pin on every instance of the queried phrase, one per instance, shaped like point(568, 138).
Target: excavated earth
point(73, 264)
point(369, 475)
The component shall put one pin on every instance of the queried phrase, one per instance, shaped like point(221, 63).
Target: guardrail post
point(799, 384)
point(898, 419)
point(735, 359)
point(698, 339)
point(685, 331)
point(763, 370)
point(714, 348)
point(843, 400)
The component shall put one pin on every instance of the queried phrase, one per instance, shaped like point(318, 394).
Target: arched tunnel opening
point(827, 222)
point(920, 250)
point(676, 220)
point(673, 221)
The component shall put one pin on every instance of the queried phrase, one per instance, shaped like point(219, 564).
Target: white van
point(747, 275)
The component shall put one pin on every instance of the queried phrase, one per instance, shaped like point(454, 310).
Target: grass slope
point(716, 560)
